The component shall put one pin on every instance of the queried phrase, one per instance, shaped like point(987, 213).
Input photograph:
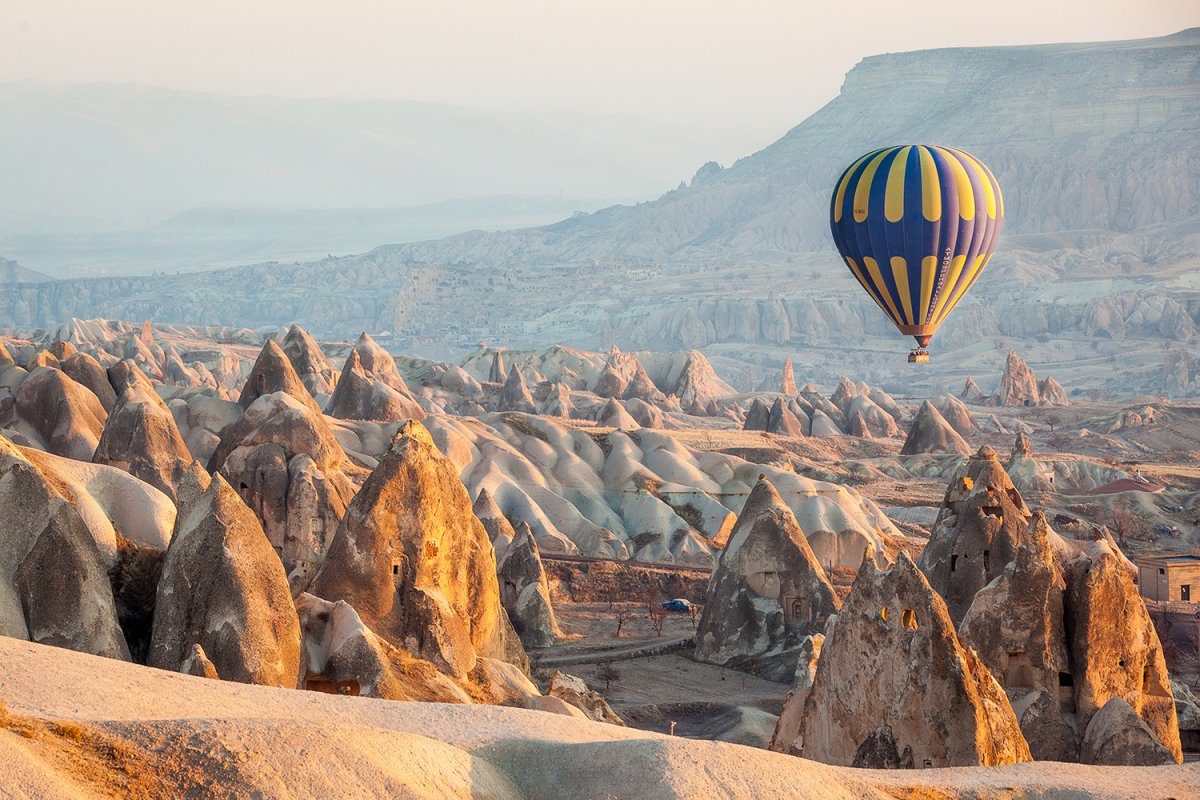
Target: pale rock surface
point(1117, 735)
point(362, 395)
point(932, 433)
point(416, 563)
point(310, 363)
point(223, 588)
point(894, 687)
point(515, 396)
point(767, 592)
point(644, 414)
point(823, 424)
point(956, 413)
point(574, 691)
point(971, 393)
point(66, 416)
point(1052, 393)
point(1027, 474)
point(87, 372)
point(525, 592)
point(785, 738)
point(1018, 384)
point(878, 422)
point(379, 364)
point(614, 415)
point(54, 584)
point(273, 372)
point(787, 383)
point(499, 530)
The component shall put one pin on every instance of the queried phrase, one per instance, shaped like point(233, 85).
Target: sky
point(764, 63)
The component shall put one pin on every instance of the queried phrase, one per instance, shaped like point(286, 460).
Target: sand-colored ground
point(80, 726)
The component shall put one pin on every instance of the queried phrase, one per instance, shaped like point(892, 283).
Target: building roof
point(1128, 485)
point(1179, 558)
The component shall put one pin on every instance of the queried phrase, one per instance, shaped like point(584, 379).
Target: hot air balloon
point(916, 225)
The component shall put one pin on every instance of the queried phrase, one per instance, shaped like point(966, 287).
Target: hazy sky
point(756, 67)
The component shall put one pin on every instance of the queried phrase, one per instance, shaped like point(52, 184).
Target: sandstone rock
point(1016, 626)
point(767, 592)
point(309, 362)
point(787, 384)
point(198, 665)
point(1018, 384)
point(644, 414)
point(971, 393)
point(758, 417)
point(880, 424)
point(1115, 650)
point(787, 730)
point(1052, 393)
point(558, 402)
point(955, 412)
point(460, 382)
point(1116, 735)
point(497, 373)
point(42, 358)
point(140, 437)
point(362, 395)
point(87, 372)
point(379, 365)
point(61, 350)
point(273, 372)
point(844, 394)
point(982, 522)
point(574, 691)
point(524, 591)
point(826, 407)
point(931, 433)
point(515, 394)
point(781, 420)
point(698, 382)
point(1027, 474)
point(888, 403)
point(416, 563)
point(624, 377)
point(927, 699)
point(822, 425)
point(614, 415)
point(68, 418)
point(223, 588)
point(499, 530)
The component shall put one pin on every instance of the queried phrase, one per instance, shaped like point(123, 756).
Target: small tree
point(609, 674)
point(693, 613)
point(624, 614)
point(658, 617)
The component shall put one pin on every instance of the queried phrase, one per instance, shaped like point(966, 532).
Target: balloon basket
point(918, 357)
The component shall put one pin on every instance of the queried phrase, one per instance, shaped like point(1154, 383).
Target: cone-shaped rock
point(198, 665)
point(1115, 650)
point(767, 591)
point(823, 425)
point(558, 402)
point(309, 362)
point(416, 563)
point(1018, 384)
point(55, 587)
point(646, 415)
point(87, 372)
point(781, 421)
point(787, 384)
point(893, 686)
point(515, 395)
point(614, 415)
point(982, 523)
point(273, 372)
point(68, 418)
point(497, 372)
point(931, 433)
point(524, 591)
point(698, 382)
point(1052, 393)
point(971, 393)
point(499, 530)
point(223, 588)
point(844, 394)
point(360, 396)
point(1016, 627)
point(757, 417)
point(1117, 736)
point(141, 438)
point(379, 364)
point(1026, 473)
point(956, 413)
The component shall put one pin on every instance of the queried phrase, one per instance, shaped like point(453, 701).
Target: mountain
point(13, 274)
point(1097, 147)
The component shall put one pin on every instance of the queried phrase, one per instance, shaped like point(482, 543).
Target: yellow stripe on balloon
point(862, 192)
point(996, 186)
point(893, 198)
point(841, 190)
point(966, 196)
point(928, 273)
point(971, 273)
point(956, 266)
point(931, 189)
point(877, 279)
point(863, 281)
point(900, 275)
point(988, 193)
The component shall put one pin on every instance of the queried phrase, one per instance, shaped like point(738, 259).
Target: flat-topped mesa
point(425, 578)
point(56, 590)
point(767, 591)
point(1016, 626)
point(362, 396)
point(515, 395)
point(982, 522)
point(309, 362)
point(787, 383)
point(928, 701)
point(140, 435)
point(525, 592)
point(273, 372)
point(932, 433)
point(223, 588)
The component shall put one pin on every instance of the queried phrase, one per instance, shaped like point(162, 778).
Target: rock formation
point(1117, 736)
point(223, 588)
point(379, 364)
point(785, 739)
point(757, 417)
point(698, 382)
point(1018, 384)
point(362, 395)
point(1052, 393)
point(558, 402)
point(287, 466)
point(68, 418)
point(614, 415)
point(574, 691)
point(624, 377)
point(525, 592)
point(515, 395)
point(767, 592)
point(416, 563)
point(893, 686)
point(982, 522)
point(497, 373)
point(971, 393)
point(87, 372)
point(781, 420)
point(955, 412)
point(931, 433)
point(499, 530)
point(198, 665)
point(874, 420)
point(1027, 474)
point(273, 372)
point(823, 425)
point(787, 384)
point(140, 436)
point(644, 414)
point(309, 362)
point(54, 586)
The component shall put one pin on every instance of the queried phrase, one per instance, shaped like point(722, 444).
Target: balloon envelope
point(916, 225)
